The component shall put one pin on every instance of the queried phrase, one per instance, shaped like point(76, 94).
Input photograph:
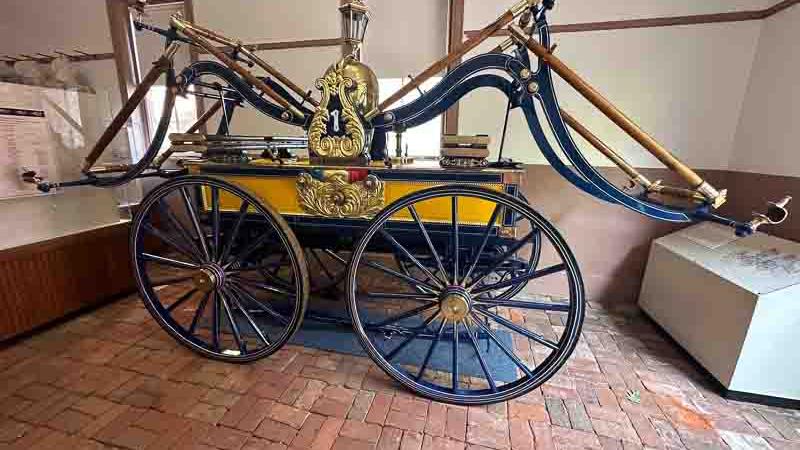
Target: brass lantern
point(355, 18)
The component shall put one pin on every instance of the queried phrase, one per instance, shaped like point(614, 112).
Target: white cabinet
point(732, 303)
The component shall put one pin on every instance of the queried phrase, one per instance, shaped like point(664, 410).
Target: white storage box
point(733, 304)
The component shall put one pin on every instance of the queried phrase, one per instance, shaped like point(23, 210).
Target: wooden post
point(455, 38)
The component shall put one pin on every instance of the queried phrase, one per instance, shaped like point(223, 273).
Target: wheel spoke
point(455, 354)
point(277, 267)
point(428, 241)
point(411, 338)
point(261, 306)
point(178, 226)
point(321, 265)
point(503, 258)
point(181, 300)
point(521, 279)
point(411, 257)
point(286, 284)
point(336, 257)
point(234, 232)
point(237, 336)
point(419, 298)
point(190, 209)
point(410, 280)
point(257, 268)
point(215, 322)
point(484, 241)
point(454, 207)
point(199, 313)
point(241, 257)
point(170, 242)
point(430, 351)
point(215, 220)
point(167, 261)
point(265, 287)
point(503, 347)
point(484, 367)
point(558, 307)
point(514, 327)
point(406, 315)
point(249, 318)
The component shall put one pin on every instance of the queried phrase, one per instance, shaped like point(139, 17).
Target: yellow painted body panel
point(281, 193)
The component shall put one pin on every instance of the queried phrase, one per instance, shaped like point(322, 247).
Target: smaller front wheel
point(428, 308)
point(221, 272)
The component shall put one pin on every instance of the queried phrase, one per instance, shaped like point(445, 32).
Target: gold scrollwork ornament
point(336, 197)
point(355, 87)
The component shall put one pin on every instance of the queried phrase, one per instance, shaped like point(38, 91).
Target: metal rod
point(616, 158)
point(205, 117)
point(716, 198)
point(607, 151)
point(460, 51)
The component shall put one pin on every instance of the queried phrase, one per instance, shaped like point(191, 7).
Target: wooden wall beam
point(119, 25)
point(454, 39)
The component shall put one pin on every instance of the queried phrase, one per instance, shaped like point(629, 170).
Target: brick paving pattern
point(113, 379)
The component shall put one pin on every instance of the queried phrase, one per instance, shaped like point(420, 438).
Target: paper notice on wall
point(24, 146)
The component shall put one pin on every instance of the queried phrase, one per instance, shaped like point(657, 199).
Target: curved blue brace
point(196, 70)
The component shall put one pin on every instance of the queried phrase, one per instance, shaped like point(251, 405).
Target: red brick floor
point(113, 379)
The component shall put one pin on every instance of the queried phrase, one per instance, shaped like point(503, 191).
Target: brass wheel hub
point(455, 304)
point(209, 278)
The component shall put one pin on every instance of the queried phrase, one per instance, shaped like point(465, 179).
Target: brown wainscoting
point(750, 192)
point(42, 282)
point(612, 243)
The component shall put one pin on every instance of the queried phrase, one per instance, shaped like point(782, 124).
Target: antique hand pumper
point(455, 286)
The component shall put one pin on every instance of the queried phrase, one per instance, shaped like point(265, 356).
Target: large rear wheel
point(443, 329)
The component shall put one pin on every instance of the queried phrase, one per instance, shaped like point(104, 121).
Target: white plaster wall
point(272, 20)
point(768, 138)
point(405, 37)
point(685, 85)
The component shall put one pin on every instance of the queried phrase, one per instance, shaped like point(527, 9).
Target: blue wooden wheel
point(434, 329)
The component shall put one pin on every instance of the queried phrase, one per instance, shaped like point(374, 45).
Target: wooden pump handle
point(618, 117)
point(248, 76)
point(214, 36)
